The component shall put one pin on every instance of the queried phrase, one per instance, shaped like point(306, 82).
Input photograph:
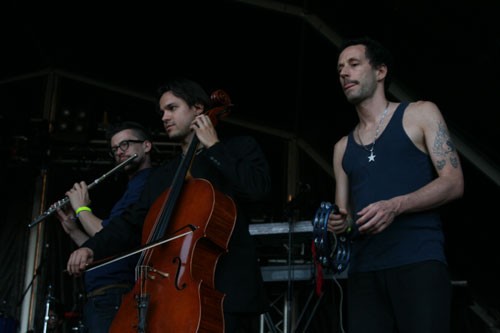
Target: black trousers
point(414, 298)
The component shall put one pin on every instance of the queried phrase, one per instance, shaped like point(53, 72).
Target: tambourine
point(332, 251)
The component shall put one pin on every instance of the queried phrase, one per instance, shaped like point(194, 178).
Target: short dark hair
point(376, 53)
point(140, 131)
point(190, 91)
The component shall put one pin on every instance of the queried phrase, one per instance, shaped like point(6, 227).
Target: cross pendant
point(371, 157)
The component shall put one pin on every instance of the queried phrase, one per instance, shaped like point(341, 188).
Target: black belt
point(102, 290)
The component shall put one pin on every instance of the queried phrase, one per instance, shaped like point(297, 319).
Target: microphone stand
point(292, 213)
point(48, 301)
point(38, 271)
point(289, 293)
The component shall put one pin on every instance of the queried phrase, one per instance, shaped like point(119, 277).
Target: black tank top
point(399, 168)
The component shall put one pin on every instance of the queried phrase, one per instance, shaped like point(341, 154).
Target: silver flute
point(65, 200)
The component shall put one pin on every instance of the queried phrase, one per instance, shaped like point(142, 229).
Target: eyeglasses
point(123, 146)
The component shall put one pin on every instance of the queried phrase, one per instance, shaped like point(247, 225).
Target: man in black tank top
point(391, 172)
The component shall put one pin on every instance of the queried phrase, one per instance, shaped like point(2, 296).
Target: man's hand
point(79, 195)
point(205, 131)
point(68, 219)
point(376, 217)
point(79, 260)
point(338, 222)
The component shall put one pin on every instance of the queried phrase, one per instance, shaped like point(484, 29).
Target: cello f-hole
point(178, 261)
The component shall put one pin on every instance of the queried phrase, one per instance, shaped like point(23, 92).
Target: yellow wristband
point(83, 209)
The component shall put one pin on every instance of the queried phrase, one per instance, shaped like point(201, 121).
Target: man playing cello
point(235, 167)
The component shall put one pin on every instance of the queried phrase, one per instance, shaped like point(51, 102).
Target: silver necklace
point(371, 157)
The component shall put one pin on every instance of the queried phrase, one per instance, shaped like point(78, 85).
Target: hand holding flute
point(59, 204)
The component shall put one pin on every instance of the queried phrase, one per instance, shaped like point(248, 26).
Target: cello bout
point(183, 297)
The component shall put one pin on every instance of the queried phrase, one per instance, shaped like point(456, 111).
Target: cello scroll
point(221, 98)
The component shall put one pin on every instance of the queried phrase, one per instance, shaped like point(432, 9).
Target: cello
point(175, 280)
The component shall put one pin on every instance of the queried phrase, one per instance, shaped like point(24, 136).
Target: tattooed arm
point(427, 128)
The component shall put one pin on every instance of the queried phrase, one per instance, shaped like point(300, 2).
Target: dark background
point(102, 62)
